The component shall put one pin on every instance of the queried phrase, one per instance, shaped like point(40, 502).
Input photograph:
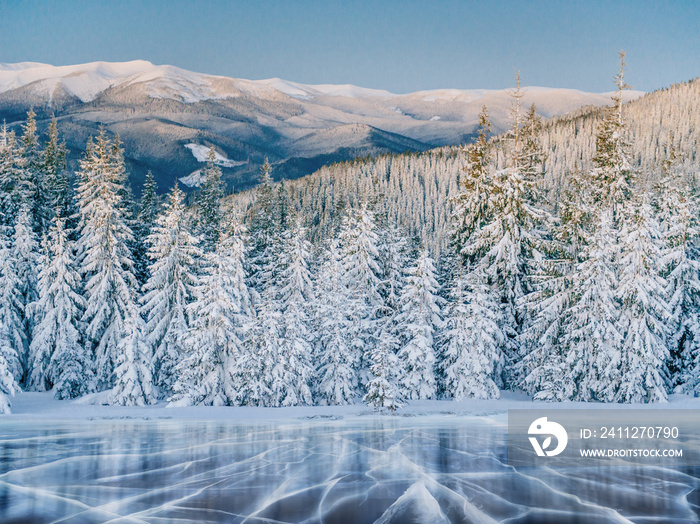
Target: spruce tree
point(8, 384)
point(336, 360)
point(472, 358)
point(133, 383)
point(59, 357)
point(641, 372)
point(12, 175)
point(360, 274)
point(34, 192)
point(296, 295)
point(13, 339)
point(382, 387)
point(26, 254)
point(169, 289)
point(59, 191)
point(261, 370)
point(209, 203)
point(105, 257)
point(682, 266)
point(220, 314)
point(418, 321)
point(472, 206)
point(149, 209)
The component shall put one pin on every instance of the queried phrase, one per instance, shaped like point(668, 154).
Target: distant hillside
point(163, 112)
point(415, 189)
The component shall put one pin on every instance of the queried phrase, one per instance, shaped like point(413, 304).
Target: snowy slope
point(87, 81)
point(161, 112)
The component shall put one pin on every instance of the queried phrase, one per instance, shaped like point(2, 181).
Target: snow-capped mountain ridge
point(159, 109)
point(87, 81)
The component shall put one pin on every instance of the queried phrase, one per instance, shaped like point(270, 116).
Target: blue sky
point(401, 46)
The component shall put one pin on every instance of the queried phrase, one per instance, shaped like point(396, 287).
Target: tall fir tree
point(295, 296)
point(336, 360)
point(27, 256)
point(681, 266)
point(209, 203)
point(471, 206)
point(60, 360)
point(418, 321)
point(260, 370)
point(472, 359)
point(382, 388)
point(169, 290)
point(592, 333)
point(613, 174)
point(13, 338)
point(265, 234)
point(105, 256)
point(12, 176)
point(133, 383)
point(360, 273)
point(220, 313)
point(59, 191)
point(641, 368)
point(33, 183)
point(149, 209)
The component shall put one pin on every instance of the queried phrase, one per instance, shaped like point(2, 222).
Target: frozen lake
point(430, 469)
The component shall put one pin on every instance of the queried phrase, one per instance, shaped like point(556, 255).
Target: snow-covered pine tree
point(540, 370)
point(361, 277)
point(59, 357)
point(148, 211)
point(591, 330)
point(220, 313)
point(681, 265)
point(382, 388)
point(12, 174)
point(506, 248)
point(472, 359)
point(393, 258)
point(265, 231)
point(531, 157)
point(260, 369)
point(33, 182)
point(105, 258)
point(133, 383)
point(13, 341)
point(537, 368)
point(174, 252)
point(26, 254)
point(613, 173)
point(418, 321)
point(296, 295)
point(641, 373)
point(59, 192)
point(471, 206)
point(209, 203)
point(8, 384)
point(336, 359)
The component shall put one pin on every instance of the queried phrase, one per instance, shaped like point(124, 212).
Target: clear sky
point(401, 46)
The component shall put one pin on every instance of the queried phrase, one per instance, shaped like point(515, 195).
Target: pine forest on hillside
point(561, 259)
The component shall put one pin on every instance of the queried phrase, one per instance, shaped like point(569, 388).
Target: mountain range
point(168, 117)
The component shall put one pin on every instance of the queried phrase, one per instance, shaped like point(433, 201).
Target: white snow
point(194, 179)
point(304, 91)
point(32, 405)
point(201, 153)
point(87, 81)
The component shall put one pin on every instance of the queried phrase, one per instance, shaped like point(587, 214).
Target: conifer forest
point(561, 259)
